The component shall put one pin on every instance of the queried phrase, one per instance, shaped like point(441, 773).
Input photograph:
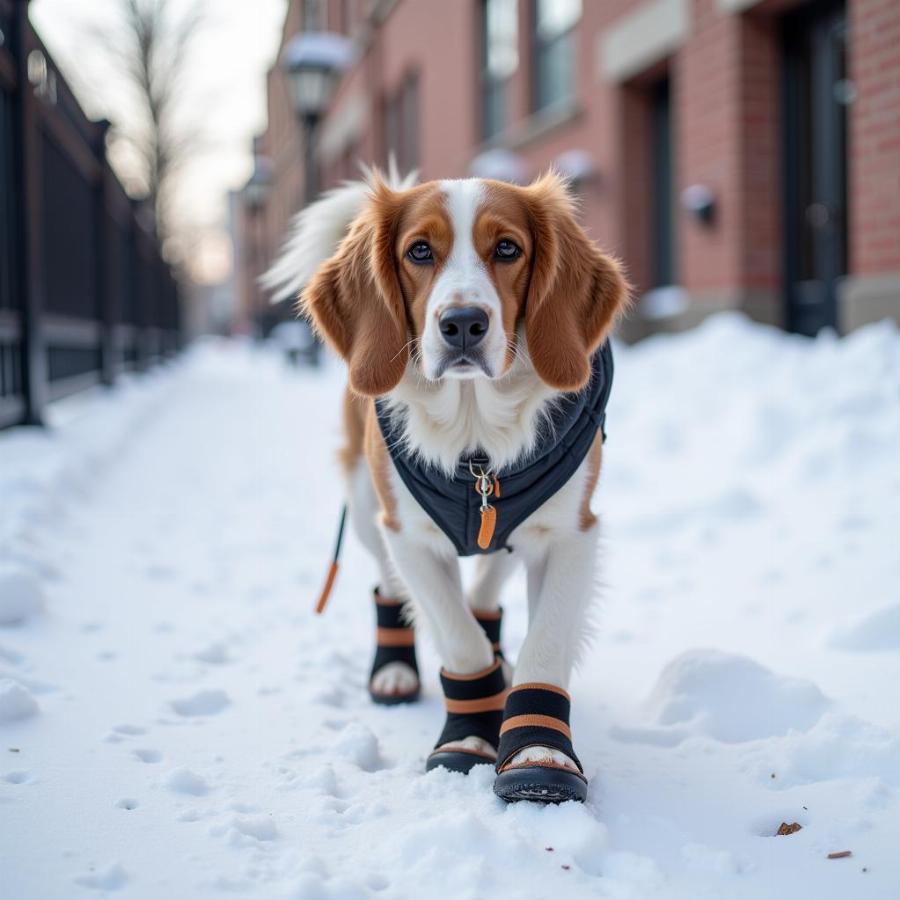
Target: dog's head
point(449, 273)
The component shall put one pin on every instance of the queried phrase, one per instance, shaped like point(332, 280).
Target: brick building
point(737, 154)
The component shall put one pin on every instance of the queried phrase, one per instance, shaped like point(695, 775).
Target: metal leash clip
point(485, 485)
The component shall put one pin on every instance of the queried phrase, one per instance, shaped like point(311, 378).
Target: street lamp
point(256, 194)
point(256, 191)
point(313, 61)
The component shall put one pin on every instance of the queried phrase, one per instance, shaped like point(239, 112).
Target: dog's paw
point(542, 755)
point(469, 745)
point(394, 679)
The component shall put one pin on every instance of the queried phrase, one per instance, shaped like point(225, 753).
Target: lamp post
point(256, 194)
point(312, 62)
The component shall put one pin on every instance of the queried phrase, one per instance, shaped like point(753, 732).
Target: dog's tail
point(316, 231)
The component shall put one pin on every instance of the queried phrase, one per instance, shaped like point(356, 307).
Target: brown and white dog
point(470, 306)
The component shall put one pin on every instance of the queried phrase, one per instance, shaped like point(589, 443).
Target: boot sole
point(540, 784)
point(456, 761)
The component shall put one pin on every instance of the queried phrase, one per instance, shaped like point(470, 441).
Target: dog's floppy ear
point(354, 299)
point(576, 292)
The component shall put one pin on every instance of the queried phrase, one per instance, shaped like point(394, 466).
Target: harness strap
point(474, 705)
point(535, 715)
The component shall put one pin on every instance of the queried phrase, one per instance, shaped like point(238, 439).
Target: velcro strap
point(474, 705)
point(535, 715)
point(491, 623)
point(395, 639)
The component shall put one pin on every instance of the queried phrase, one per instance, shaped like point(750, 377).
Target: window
point(401, 125)
point(554, 51)
point(499, 59)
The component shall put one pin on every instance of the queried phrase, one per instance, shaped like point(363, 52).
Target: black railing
point(84, 291)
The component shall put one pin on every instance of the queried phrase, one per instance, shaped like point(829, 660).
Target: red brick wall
point(727, 114)
point(706, 86)
point(875, 137)
point(759, 144)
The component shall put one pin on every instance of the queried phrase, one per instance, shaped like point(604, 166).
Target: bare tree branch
point(150, 51)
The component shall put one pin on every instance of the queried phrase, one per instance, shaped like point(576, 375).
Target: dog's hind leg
point(395, 676)
point(483, 597)
point(491, 572)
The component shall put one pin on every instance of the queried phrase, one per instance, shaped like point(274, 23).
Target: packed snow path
point(175, 722)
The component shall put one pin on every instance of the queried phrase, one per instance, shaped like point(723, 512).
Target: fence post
point(28, 216)
point(106, 246)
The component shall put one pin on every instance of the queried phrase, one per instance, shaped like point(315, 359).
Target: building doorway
point(664, 273)
point(816, 94)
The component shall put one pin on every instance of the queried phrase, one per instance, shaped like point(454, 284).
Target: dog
point(474, 317)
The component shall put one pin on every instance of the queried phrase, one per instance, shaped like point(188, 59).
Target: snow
point(21, 596)
point(16, 701)
point(174, 720)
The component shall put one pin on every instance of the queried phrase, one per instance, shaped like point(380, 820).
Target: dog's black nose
point(463, 326)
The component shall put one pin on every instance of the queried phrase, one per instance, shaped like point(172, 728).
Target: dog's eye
point(507, 251)
point(420, 253)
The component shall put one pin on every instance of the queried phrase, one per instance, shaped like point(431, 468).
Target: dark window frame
point(540, 48)
point(402, 118)
point(492, 88)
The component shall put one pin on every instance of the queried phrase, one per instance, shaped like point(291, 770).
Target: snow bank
point(732, 698)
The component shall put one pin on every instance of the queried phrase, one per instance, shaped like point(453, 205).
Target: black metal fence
point(84, 291)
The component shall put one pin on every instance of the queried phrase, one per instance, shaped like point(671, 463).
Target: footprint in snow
point(130, 730)
point(203, 703)
point(126, 803)
point(110, 878)
point(147, 755)
point(18, 777)
point(215, 654)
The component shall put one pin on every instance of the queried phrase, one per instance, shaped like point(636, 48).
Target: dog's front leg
point(435, 585)
point(472, 678)
point(536, 759)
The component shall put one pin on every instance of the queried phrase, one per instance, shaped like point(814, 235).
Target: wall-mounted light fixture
point(700, 201)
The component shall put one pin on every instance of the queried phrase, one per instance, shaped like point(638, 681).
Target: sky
point(225, 85)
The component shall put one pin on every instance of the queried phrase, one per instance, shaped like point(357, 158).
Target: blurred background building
point(737, 154)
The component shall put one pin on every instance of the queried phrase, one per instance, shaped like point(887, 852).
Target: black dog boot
point(537, 715)
point(395, 643)
point(474, 709)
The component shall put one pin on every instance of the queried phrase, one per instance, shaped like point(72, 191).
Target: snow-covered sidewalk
point(175, 722)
